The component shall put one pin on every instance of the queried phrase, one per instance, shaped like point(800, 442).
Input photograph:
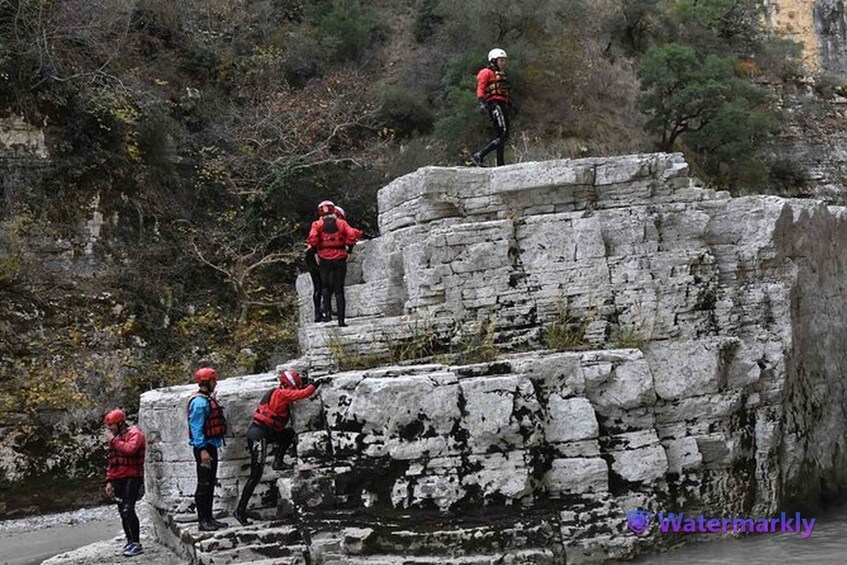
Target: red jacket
point(331, 236)
point(273, 410)
point(126, 454)
point(492, 86)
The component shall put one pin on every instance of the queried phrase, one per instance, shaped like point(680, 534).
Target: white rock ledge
point(713, 384)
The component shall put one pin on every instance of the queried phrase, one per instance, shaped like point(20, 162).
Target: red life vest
point(122, 464)
point(331, 237)
point(265, 416)
point(498, 87)
point(215, 423)
point(492, 85)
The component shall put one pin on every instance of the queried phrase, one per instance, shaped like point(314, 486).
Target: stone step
point(268, 552)
point(277, 532)
point(421, 536)
point(371, 341)
point(535, 557)
point(278, 561)
point(459, 540)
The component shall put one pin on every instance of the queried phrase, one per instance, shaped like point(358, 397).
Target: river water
point(29, 541)
point(827, 545)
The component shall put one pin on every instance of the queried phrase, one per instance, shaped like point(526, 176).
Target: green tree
point(720, 26)
point(682, 93)
point(721, 117)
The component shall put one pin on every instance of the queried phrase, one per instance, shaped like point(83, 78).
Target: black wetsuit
point(499, 113)
point(258, 437)
point(333, 273)
point(317, 288)
point(127, 493)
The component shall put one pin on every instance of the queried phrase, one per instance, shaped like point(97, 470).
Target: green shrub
point(305, 59)
point(787, 177)
point(10, 266)
point(477, 345)
point(348, 29)
point(348, 358)
point(427, 19)
point(566, 332)
point(461, 126)
point(405, 112)
point(424, 342)
point(199, 62)
point(627, 338)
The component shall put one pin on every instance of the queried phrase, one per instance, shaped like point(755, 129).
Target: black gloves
point(319, 381)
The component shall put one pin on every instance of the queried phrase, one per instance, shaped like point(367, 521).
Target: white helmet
point(496, 54)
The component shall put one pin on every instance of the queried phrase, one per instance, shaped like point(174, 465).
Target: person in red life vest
point(332, 237)
point(125, 474)
point(339, 211)
point(206, 428)
point(493, 93)
point(269, 425)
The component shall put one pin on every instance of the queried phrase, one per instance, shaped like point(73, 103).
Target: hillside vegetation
point(203, 133)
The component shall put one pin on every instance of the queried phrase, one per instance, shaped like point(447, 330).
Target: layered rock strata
point(710, 345)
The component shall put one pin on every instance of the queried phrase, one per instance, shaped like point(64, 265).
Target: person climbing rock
point(269, 425)
point(493, 93)
point(125, 474)
point(206, 428)
point(332, 236)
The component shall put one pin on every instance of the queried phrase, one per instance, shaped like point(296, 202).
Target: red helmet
point(339, 211)
point(205, 374)
point(326, 207)
point(116, 416)
point(289, 378)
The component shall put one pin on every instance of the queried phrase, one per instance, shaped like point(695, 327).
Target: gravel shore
point(66, 539)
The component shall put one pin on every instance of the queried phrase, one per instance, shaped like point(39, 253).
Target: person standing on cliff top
point(125, 474)
point(269, 425)
point(206, 428)
point(314, 270)
point(332, 237)
point(493, 93)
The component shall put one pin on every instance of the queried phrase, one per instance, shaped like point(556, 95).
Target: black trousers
point(127, 493)
point(333, 273)
point(207, 477)
point(499, 114)
point(258, 438)
point(317, 289)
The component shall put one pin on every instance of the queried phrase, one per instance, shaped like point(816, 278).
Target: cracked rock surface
point(707, 376)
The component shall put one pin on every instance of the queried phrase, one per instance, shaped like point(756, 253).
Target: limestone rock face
point(708, 346)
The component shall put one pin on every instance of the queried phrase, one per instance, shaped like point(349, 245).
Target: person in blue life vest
point(495, 98)
point(206, 429)
point(125, 475)
point(270, 424)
